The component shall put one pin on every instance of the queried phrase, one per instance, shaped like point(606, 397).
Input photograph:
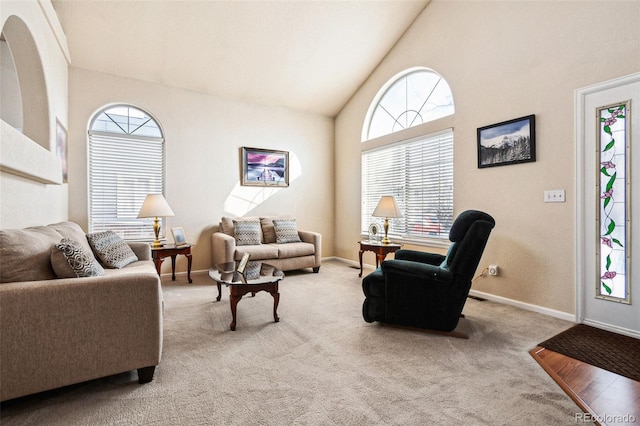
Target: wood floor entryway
point(605, 397)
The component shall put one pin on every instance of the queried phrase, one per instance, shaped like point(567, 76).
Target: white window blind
point(123, 169)
point(419, 173)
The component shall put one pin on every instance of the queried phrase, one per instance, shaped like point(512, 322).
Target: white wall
point(30, 172)
point(203, 136)
point(505, 60)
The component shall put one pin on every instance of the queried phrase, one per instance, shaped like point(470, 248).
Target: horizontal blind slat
point(123, 169)
point(419, 173)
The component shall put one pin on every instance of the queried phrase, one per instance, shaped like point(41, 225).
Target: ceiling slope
point(305, 55)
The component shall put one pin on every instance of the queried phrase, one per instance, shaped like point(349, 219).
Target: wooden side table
point(381, 251)
point(159, 253)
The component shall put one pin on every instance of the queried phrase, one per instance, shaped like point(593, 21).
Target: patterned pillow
point(70, 260)
point(112, 250)
point(286, 231)
point(247, 232)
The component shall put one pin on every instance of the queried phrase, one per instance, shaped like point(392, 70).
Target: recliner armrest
point(410, 269)
point(419, 256)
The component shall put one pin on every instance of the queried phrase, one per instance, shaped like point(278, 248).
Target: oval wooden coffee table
point(257, 277)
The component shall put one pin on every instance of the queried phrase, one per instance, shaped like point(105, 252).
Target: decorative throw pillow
point(112, 250)
point(247, 232)
point(286, 231)
point(70, 260)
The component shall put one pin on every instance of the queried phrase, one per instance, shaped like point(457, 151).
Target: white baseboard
point(613, 328)
point(526, 306)
point(349, 262)
point(499, 299)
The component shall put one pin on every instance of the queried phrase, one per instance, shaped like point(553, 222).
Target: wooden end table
point(159, 253)
point(381, 251)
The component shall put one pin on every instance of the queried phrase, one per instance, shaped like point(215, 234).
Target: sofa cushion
point(268, 230)
point(226, 224)
point(72, 231)
point(247, 232)
point(70, 259)
point(25, 254)
point(286, 231)
point(257, 252)
point(286, 251)
point(112, 250)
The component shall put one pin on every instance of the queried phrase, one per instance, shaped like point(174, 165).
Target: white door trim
point(580, 184)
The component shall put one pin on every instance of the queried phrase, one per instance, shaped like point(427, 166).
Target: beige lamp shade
point(387, 207)
point(155, 206)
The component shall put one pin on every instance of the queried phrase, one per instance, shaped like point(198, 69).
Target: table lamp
point(387, 208)
point(155, 206)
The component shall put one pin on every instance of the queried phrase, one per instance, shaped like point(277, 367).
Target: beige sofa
point(307, 253)
point(56, 332)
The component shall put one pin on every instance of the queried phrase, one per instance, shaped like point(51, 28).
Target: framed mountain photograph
point(509, 142)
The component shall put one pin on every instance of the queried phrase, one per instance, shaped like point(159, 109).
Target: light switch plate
point(554, 196)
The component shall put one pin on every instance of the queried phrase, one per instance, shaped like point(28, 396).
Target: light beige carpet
point(320, 365)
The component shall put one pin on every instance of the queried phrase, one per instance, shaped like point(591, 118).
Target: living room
point(502, 60)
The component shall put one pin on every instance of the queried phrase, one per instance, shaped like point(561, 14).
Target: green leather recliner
point(427, 290)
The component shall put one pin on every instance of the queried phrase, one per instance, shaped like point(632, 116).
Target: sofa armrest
point(314, 238)
point(223, 248)
point(63, 331)
point(141, 249)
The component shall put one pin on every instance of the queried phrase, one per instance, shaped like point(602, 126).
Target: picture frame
point(242, 265)
point(264, 167)
point(178, 236)
point(374, 231)
point(61, 149)
point(508, 142)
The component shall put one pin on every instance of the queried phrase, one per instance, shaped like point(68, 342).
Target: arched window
point(414, 97)
point(417, 171)
point(126, 162)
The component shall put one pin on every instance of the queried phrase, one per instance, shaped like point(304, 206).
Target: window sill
point(422, 242)
point(23, 157)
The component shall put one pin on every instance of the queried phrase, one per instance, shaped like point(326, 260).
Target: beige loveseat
point(60, 331)
point(226, 245)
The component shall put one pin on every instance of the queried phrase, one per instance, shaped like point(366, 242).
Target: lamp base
point(156, 230)
point(386, 239)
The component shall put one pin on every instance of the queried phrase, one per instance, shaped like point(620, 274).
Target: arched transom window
point(415, 97)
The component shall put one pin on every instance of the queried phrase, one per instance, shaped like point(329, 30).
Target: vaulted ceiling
point(305, 55)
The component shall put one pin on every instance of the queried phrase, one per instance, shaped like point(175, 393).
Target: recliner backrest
point(469, 234)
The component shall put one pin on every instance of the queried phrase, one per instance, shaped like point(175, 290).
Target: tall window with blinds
point(419, 174)
point(418, 171)
point(126, 162)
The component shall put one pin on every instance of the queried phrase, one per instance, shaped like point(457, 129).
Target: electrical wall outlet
point(554, 196)
point(493, 270)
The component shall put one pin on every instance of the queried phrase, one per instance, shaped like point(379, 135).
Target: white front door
point(607, 242)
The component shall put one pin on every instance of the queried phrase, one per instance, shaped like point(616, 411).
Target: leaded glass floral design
point(613, 193)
